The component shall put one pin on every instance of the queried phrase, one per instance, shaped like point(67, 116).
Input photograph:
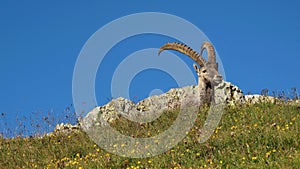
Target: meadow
point(262, 135)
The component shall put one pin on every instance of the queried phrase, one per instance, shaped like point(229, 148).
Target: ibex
point(208, 75)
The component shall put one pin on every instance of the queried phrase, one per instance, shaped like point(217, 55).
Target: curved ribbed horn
point(210, 52)
point(185, 50)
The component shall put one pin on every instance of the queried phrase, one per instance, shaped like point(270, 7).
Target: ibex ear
point(196, 68)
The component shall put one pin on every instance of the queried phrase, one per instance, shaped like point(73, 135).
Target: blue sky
point(258, 42)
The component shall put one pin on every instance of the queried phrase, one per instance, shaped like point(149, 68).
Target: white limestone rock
point(152, 107)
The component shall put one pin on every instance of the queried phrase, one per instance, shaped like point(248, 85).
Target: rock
point(66, 128)
point(152, 107)
point(252, 99)
point(229, 93)
point(146, 110)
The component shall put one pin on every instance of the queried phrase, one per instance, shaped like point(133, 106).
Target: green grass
point(248, 136)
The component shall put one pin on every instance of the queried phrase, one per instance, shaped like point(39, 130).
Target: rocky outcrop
point(151, 108)
point(66, 128)
point(146, 110)
point(230, 93)
point(256, 98)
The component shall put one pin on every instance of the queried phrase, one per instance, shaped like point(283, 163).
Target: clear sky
point(257, 41)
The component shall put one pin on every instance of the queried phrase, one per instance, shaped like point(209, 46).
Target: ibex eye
point(203, 71)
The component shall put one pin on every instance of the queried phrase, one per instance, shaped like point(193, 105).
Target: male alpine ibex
point(208, 75)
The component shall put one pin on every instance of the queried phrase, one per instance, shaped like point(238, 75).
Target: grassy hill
point(262, 135)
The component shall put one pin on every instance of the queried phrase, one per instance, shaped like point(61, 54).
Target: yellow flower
point(233, 127)
point(149, 161)
point(278, 127)
point(268, 154)
point(254, 158)
point(287, 126)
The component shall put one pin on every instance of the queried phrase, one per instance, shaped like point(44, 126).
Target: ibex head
point(208, 74)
